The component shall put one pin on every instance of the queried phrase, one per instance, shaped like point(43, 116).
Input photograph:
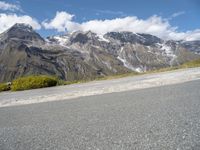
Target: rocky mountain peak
point(82, 37)
point(22, 26)
point(21, 31)
point(192, 45)
point(130, 37)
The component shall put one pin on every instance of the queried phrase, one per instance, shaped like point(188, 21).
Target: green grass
point(33, 82)
point(4, 87)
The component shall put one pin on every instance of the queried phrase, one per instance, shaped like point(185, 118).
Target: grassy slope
point(195, 63)
point(190, 64)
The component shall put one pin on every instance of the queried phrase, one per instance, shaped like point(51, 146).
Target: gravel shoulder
point(98, 87)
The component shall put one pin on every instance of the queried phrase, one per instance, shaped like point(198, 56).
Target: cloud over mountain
point(61, 22)
point(156, 25)
point(8, 20)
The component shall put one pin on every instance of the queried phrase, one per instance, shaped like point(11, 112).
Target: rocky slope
point(83, 55)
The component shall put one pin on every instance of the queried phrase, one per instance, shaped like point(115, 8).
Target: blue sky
point(180, 14)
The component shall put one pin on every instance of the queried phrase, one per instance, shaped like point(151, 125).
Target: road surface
point(166, 117)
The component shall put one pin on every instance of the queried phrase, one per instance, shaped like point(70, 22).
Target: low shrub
point(33, 82)
point(4, 87)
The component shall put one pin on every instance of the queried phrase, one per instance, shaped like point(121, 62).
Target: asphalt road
point(166, 117)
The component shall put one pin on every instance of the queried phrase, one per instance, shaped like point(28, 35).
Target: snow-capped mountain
point(81, 55)
point(138, 52)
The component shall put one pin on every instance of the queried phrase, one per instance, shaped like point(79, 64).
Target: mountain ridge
point(82, 55)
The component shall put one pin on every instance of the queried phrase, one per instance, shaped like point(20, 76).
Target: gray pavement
point(159, 118)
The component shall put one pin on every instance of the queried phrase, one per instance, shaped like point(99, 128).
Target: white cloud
point(178, 14)
point(154, 25)
point(61, 21)
point(8, 20)
point(8, 6)
point(188, 36)
point(110, 12)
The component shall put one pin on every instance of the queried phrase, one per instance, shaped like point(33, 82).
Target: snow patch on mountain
point(126, 63)
point(101, 38)
point(62, 40)
point(167, 49)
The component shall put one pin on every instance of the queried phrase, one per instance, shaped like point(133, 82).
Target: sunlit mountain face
point(87, 55)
